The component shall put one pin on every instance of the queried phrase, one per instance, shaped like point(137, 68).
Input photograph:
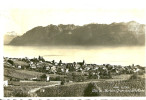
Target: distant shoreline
point(142, 45)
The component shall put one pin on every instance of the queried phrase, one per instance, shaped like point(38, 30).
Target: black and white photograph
point(73, 48)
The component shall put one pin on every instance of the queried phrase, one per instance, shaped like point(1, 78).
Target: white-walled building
point(5, 83)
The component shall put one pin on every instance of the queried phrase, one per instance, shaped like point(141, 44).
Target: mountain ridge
point(130, 33)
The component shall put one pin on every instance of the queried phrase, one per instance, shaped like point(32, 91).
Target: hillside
point(20, 74)
point(131, 33)
point(23, 74)
point(8, 38)
point(134, 88)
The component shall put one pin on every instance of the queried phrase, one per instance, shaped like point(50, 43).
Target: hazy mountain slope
point(8, 38)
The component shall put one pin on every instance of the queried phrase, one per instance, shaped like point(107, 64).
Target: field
point(20, 74)
point(119, 85)
point(22, 63)
point(23, 74)
point(24, 87)
point(18, 87)
point(12, 91)
point(107, 88)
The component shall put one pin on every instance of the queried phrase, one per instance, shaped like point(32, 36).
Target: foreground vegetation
point(134, 85)
point(104, 88)
point(20, 89)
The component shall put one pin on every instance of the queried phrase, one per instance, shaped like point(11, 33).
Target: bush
point(52, 79)
point(58, 78)
point(141, 72)
point(92, 90)
point(19, 93)
point(134, 76)
point(62, 82)
point(78, 78)
point(11, 62)
point(43, 76)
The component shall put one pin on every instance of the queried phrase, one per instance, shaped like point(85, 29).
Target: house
point(117, 71)
point(98, 75)
point(87, 68)
point(5, 83)
point(47, 65)
point(55, 63)
point(90, 66)
point(60, 69)
point(19, 66)
point(48, 78)
point(80, 69)
point(6, 64)
point(42, 90)
point(31, 62)
point(67, 70)
point(136, 70)
point(79, 64)
point(53, 69)
point(70, 66)
point(39, 65)
point(96, 68)
point(47, 68)
point(33, 66)
point(34, 78)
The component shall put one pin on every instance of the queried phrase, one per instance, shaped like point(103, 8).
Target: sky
point(21, 16)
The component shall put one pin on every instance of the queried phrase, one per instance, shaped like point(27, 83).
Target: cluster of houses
point(52, 67)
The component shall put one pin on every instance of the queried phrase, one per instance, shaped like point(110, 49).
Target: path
point(32, 92)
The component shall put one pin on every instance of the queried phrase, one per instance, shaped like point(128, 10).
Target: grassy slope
point(22, 63)
point(77, 90)
point(24, 86)
point(21, 74)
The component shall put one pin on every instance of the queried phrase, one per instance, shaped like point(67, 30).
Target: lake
point(95, 55)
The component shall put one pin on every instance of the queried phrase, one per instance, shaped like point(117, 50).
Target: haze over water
point(95, 55)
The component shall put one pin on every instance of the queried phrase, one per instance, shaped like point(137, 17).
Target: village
point(32, 75)
point(91, 71)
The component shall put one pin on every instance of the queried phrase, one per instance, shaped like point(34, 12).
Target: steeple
point(83, 62)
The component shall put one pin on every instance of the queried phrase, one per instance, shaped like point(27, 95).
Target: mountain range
point(130, 33)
